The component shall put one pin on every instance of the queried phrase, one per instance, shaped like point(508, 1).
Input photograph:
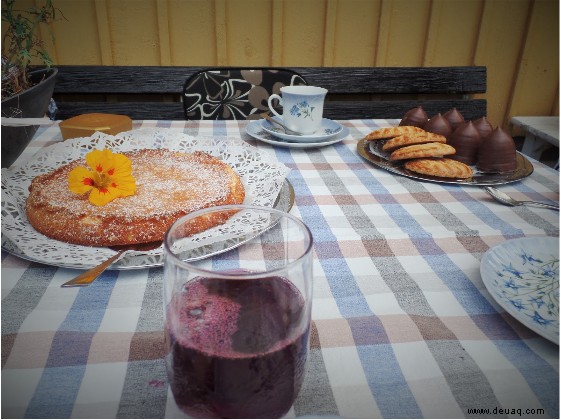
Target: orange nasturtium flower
point(108, 176)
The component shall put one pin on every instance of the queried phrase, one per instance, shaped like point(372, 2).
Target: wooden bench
point(354, 92)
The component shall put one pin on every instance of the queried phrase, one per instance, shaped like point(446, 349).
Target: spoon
point(501, 197)
point(89, 276)
point(286, 129)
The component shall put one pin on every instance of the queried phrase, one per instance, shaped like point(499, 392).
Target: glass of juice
point(237, 302)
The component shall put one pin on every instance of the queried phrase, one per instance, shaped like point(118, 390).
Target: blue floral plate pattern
point(522, 275)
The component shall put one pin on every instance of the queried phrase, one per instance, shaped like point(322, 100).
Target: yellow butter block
point(86, 124)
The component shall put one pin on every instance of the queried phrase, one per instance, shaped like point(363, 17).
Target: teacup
point(302, 107)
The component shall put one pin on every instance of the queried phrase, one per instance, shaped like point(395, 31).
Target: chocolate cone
point(439, 125)
point(465, 139)
point(497, 153)
point(454, 117)
point(416, 117)
point(483, 126)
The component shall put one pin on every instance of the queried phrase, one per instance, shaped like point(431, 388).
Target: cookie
point(389, 132)
point(422, 151)
point(442, 167)
point(408, 140)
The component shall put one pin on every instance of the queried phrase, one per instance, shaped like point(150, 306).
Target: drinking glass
point(237, 302)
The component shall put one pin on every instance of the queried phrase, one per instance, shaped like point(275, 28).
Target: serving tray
point(373, 153)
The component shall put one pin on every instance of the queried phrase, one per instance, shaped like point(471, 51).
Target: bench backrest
point(154, 92)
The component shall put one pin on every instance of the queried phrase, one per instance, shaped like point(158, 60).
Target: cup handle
point(270, 102)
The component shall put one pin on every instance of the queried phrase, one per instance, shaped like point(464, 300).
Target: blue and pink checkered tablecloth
point(403, 325)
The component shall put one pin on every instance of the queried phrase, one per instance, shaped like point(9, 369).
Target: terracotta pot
point(32, 103)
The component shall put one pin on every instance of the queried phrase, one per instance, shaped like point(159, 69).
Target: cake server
point(89, 276)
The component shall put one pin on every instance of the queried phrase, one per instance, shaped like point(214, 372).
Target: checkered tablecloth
point(403, 325)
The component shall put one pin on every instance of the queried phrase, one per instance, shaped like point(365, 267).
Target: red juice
point(236, 348)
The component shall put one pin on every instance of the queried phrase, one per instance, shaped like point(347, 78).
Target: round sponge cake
point(168, 185)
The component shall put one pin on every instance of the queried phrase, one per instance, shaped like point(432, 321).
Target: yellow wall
point(518, 40)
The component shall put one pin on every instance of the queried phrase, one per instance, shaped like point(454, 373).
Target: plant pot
point(32, 103)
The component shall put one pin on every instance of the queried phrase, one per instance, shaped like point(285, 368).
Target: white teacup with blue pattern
point(302, 107)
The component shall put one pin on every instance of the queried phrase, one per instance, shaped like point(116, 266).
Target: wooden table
point(541, 133)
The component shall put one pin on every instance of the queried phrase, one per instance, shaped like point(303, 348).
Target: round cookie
point(408, 140)
point(422, 151)
point(442, 167)
point(389, 132)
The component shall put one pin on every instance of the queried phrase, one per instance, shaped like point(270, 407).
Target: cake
point(465, 139)
point(168, 185)
point(497, 152)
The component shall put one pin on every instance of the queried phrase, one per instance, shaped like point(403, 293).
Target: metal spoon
point(89, 276)
point(286, 129)
point(501, 197)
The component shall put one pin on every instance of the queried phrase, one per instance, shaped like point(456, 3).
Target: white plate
point(255, 129)
point(522, 275)
point(132, 261)
point(262, 175)
point(329, 128)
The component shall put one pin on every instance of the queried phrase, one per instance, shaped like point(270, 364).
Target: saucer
point(329, 128)
point(255, 130)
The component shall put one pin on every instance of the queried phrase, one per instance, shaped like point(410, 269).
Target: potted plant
point(26, 93)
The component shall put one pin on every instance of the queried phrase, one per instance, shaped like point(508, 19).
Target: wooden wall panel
point(452, 34)
point(134, 32)
point(501, 38)
point(537, 82)
point(303, 33)
point(355, 33)
point(518, 40)
point(104, 45)
point(403, 27)
point(192, 33)
point(247, 41)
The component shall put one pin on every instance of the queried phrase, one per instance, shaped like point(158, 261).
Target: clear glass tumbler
point(237, 302)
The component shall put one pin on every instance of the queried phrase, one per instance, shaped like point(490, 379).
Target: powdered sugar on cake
point(168, 185)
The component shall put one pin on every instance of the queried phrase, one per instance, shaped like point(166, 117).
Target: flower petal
point(98, 160)
point(120, 166)
point(109, 177)
point(125, 185)
point(80, 180)
point(102, 196)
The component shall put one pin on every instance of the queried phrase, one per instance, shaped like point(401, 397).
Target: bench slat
point(154, 92)
point(470, 109)
point(397, 79)
point(170, 79)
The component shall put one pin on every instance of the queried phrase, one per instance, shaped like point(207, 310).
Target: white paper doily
point(262, 175)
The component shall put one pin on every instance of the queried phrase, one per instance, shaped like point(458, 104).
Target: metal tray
point(372, 152)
